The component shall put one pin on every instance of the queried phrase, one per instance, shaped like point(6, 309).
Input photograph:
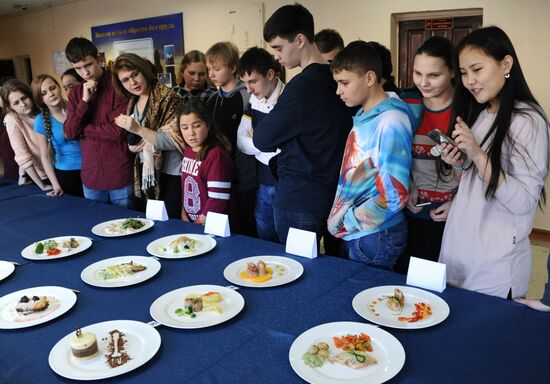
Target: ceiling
point(10, 8)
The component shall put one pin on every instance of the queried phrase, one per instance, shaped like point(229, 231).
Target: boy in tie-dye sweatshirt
point(374, 177)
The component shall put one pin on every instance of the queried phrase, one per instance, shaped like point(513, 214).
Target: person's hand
point(440, 213)
point(413, 199)
point(201, 220)
point(465, 139)
point(22, 180)
point(451, 155)
point(55, 192)
point(88, 90)
point(138, 147)
point(250, 133)
point(46, 187)
point(127, 122)
point(537, 305)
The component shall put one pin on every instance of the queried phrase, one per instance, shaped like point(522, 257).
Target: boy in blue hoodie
point(374, 177)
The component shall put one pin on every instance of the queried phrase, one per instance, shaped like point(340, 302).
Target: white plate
point(61, 300)
point(99, 229)
point(361, 302)
point(88, 275)
point(285, 270)
point(85, 243)
point(206, 244)
point(387, 350)
point(6, 269)
point(163, 309)
point(143, 342)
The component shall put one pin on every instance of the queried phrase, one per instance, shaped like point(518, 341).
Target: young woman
point(207, 168)
point(194, 78)
point(432, 183)
point(19, 122)
point(65, 177)
point(152, 109)
point(69, 79)
point(505, 134)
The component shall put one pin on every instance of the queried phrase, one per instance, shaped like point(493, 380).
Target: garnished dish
point(263, 271)
point(122, 227)
point(197, 306)
point(34, 306)
point(196, 303)
point(56, 247)
point(401, 307)
point(120, 271)
point(104, 350)
point(181, 246)
point(346, 352)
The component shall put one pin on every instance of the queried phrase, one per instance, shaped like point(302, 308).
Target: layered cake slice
point(84, 345)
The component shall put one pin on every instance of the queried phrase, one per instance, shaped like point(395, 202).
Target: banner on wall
point(158, 39)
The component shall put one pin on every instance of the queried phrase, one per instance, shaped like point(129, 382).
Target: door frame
point(396, 18)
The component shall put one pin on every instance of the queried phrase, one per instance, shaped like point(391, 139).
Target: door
point(413, 33)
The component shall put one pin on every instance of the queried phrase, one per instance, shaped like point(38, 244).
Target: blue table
point(485, 339)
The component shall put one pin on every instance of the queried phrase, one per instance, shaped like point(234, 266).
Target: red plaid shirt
point(107, 163)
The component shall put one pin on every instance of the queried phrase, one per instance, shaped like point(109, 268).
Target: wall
point(40, 33)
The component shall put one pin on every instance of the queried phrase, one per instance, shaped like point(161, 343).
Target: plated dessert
point(84, 345)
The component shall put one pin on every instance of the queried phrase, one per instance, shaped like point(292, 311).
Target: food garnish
point(359, 342)
point(182, 244)
point(132, 223)
point(316, 355)
point(422, 312)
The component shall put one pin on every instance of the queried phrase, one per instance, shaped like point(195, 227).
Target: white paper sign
point(217, 224)
point(427, 274)
point(156, 210)
point(301, 243)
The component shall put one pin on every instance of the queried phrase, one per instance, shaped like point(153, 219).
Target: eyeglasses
point(132, 76)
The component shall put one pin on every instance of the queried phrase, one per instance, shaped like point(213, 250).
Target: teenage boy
point(257, 70)
point(106, 160)
point(329, 43)
point(227, 106)
point(309, 124)
point(374, 179)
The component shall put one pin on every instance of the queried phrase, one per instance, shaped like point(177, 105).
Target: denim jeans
point(307, 221)
point(122, 197)
point(380, 249)
point(265, 223)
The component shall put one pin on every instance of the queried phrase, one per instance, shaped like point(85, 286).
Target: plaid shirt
point(202, 94)
point(106, 161)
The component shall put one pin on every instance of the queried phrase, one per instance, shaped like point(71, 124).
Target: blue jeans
point(265, 223)
point(380, 249)
point(307, 221)
point(122, 197)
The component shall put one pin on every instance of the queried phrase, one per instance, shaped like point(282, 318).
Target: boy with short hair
point(257, 70)
point(107, 166)
point(227, 106)
point(329, 43)
point(309, 124)
point(374, 179)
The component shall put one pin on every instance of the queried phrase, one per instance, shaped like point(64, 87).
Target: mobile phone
point(440, 138)
point(423, 204)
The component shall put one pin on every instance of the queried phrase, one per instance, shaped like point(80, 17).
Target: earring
point(507, 75)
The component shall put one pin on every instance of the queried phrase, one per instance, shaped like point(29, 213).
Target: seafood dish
point(182, 244)
point(120, 270)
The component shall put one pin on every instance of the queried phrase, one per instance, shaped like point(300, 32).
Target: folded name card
point(427, 274)
point(217, 224)
point(156, 210)
point(301, 243)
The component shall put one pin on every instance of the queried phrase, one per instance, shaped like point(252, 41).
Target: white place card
point(156, 210)
point(217, 224)
point(427, 274)
point(301, 243)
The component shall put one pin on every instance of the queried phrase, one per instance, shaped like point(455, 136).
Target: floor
point(539, 274)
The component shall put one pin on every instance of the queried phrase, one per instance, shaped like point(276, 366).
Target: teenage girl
point(65, 177)
point(432, 183)
point(69, 79)
point(207, 168)
point(19, 122)
point(505, 134)
point(194, 78)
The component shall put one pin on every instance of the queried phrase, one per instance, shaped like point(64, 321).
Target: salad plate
point(122, 227)
point(56, 247)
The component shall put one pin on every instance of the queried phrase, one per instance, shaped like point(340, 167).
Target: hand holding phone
point(440, 138)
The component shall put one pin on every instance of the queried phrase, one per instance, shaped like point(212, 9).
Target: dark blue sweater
point(310, 125)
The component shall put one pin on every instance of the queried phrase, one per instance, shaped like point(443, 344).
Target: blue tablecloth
point(484, 340)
